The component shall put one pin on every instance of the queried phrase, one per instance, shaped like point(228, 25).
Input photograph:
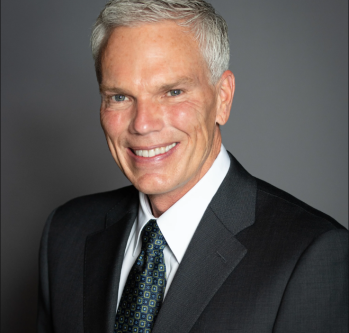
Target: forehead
point(152, 50)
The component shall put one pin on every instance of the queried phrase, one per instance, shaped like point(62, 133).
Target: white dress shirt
point(177, 224)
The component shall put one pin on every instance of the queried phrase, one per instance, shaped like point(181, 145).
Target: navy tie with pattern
point(145, 286)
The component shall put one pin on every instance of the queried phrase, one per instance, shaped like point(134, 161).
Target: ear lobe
point(226, 91)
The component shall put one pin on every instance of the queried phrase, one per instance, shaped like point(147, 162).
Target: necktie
point(145, 286)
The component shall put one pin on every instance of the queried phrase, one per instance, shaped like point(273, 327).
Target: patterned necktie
point(145, 286)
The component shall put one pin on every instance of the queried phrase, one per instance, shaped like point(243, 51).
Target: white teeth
point(154, 152)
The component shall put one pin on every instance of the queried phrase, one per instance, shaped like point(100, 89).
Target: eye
point(119, 98)
point(175, 92)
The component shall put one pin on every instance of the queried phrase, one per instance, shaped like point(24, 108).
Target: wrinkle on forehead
point(155, 53)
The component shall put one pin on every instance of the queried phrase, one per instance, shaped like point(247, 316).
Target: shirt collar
point(180, 221)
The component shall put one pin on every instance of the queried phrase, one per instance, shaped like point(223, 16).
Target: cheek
point(194, 119)
point(182, 117)
point(113, 123)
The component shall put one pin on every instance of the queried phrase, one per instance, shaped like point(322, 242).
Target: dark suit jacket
point(260, 261)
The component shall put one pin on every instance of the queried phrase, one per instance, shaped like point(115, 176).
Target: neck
point(160, 203)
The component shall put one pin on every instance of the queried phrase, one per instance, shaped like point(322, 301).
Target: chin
point(153, 185)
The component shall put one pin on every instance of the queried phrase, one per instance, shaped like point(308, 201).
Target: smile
point(154, 152)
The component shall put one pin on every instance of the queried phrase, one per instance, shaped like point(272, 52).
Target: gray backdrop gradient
point(288, 124)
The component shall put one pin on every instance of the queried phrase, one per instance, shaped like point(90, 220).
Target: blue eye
point(175, 92)
point(119, 98)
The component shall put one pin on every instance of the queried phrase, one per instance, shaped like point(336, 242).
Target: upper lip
point(152, 147)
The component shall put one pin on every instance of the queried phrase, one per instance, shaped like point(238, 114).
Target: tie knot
point(153, 241)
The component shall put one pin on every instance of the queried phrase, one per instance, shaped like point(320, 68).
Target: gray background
point(288, 124)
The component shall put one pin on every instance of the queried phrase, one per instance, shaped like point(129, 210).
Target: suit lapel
point(104, 253)
point(211, 256)
point(213, 253)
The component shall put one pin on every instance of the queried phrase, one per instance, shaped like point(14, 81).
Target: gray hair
point(209, 28)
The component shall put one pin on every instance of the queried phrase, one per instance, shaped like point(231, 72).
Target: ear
point(226, 89)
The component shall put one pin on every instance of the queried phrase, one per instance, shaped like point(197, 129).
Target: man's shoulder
point(285, 222)
point(275, 209)
point(285, 227)
point(89, 212)
point(98, 201)
point(272, 201)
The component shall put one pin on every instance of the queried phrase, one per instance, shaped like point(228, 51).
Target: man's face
point(159, 110)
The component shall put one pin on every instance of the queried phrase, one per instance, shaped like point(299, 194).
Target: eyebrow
point(103, 88)
point(180, 81)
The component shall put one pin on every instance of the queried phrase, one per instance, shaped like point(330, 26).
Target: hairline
point(138, 23)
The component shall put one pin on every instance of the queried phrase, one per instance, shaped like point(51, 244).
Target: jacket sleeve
point(44, 320)
point(316, 297)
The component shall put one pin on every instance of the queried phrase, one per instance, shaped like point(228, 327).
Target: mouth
point(153, 152)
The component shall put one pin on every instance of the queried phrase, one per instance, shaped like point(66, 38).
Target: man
point(196, 244)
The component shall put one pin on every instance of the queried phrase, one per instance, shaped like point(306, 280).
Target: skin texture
point(156, 91)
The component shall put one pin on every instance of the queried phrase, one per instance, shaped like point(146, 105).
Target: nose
point(148, 117)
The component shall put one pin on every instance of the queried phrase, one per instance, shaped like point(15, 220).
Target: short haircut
point(208, 27)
